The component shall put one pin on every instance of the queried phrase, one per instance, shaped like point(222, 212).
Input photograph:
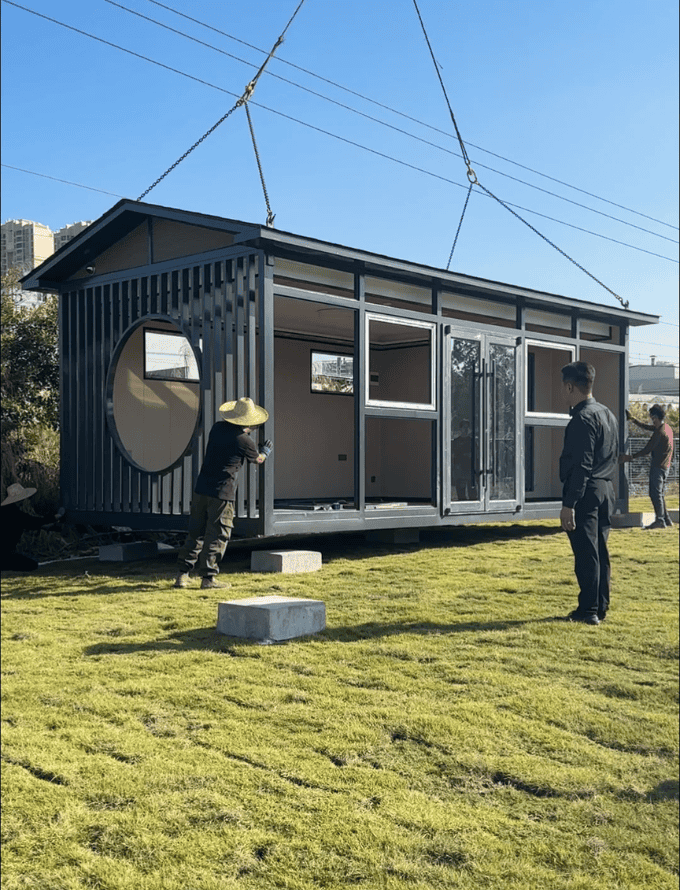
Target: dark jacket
point(591, 447)
point(227, 448)
point(15, 522)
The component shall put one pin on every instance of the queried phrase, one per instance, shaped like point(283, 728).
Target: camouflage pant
point(210, 525)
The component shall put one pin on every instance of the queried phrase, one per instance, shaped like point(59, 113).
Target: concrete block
point(627, 520)
point(286, 561)
point(271, 618)
point(128, 552)
point(638, 520)
point(394, 536)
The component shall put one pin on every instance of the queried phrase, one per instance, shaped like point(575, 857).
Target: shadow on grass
point(144, 574)
point(354, 545)
point(208, 639)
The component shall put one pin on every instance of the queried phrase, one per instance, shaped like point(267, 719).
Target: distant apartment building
point(27, 244)
point(66, 233)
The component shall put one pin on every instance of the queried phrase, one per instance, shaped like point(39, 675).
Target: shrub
point(31, 457)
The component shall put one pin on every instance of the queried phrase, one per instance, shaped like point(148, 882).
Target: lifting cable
point(247, 94)
point(453, 247)
point(472, 178)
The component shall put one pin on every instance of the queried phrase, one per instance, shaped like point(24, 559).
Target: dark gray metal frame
point(226, 297)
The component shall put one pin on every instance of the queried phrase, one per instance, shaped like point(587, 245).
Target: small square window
point(169, 357)
point(332, 373)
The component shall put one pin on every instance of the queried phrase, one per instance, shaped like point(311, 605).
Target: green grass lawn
point(644, 505)
point(442, 732)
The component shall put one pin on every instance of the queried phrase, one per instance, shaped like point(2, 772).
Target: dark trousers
point(210, 525)
point(589, 543)
point(657, 486)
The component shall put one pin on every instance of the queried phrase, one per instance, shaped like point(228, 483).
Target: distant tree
point(11, 285)
point(30, 360)
point(640, 411)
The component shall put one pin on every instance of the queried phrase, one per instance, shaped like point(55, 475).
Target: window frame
point(430, 326)
point(330, 392)
point(151, 376)
point(529, 414)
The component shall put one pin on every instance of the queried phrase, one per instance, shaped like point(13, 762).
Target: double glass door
point(481, 438)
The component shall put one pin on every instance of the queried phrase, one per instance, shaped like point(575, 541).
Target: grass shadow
point(354, 545)
point(347, 546)
point(208, 639)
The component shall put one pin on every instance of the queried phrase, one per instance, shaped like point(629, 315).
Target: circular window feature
point(154, 394)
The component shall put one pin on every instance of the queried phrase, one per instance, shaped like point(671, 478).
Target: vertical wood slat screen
point(216, 304)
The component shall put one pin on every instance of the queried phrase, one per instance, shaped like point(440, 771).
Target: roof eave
point(383, 264)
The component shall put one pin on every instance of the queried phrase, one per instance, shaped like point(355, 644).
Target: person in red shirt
point(660, 447)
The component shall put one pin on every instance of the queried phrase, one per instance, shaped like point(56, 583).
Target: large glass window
point(400, 369)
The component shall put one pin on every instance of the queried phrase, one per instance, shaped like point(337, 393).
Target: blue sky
point(583, 92)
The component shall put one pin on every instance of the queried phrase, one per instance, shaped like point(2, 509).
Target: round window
point(153, 402)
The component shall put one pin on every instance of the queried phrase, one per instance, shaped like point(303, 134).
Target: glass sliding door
point(464, 445)
point(502, 419)
point(481, 446)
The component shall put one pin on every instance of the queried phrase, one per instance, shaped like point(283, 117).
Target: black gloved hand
point(266, 449)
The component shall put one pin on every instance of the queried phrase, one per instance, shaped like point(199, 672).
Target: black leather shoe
point(582, 619)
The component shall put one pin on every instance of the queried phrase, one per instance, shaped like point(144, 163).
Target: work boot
point(182, 579)
point(582, 618)
point(210, 583)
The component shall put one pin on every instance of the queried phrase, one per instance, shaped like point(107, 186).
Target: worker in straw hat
point(212, 506)
point(15, 522)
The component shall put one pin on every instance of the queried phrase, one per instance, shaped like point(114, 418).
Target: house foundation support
point(271, 618)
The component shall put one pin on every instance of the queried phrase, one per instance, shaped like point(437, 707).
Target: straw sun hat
point(244, 412)
point(16, 493)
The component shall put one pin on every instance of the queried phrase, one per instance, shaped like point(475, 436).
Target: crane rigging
point(243, 100)
point(472, 178)
point(471, 174)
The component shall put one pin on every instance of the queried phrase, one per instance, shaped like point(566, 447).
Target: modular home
point(399, 395)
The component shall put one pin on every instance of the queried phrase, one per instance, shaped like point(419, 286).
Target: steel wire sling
point(243, 100)
point(472, 178)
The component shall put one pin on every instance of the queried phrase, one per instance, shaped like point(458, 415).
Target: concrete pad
point(286, 561)
point(271, 618)
point(638, 520)
point(627, 520)
point(128, 552)
point(394, 536)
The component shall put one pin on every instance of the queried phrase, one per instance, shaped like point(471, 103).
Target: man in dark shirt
point(587, 467)
point(660, 447)
point(212, 506)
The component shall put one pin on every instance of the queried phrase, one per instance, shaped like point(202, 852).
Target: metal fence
point(638, 470)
